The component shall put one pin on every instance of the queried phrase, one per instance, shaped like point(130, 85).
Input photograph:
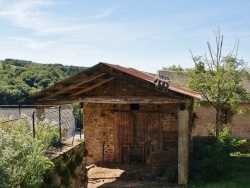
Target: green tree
point(220, 78)
point(19, 78)
point(173, 68)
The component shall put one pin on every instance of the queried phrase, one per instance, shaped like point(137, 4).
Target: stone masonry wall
point(70, 167)
point(99, 132)
point(239, 126)
point(99, 128)
point(123, 88)
point(169, 123)
point(205, 121)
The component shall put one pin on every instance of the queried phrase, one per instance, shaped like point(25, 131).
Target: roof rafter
point(92, 87)
point(70, 87)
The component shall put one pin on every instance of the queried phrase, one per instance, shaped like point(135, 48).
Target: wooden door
point(138, 134)
point(149, 132)
point(124, 135)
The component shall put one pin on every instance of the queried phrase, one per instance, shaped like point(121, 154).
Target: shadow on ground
point(126, 176)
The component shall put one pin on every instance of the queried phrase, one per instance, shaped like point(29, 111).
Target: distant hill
point(20, 78)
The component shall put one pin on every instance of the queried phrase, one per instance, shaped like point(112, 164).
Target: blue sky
point(143, 34)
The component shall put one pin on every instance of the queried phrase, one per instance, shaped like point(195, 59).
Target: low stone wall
point(70, 167)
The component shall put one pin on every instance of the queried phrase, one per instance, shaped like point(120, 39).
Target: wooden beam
point(57, 102)
point(92, 87)
point(68, 88)
point(134, 100)
point(111, 100)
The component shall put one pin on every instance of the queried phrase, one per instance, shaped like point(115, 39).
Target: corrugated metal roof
point(150, 78)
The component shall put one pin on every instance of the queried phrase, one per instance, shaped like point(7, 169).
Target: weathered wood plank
point(111, 100)
point(129, 100)
point(70, 87)
point(92, 87)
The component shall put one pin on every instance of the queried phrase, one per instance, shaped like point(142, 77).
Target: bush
point(216, 162)
point(22, 159)
point(48, 134)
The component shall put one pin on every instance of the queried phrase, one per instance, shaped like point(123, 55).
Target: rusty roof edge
point(185, 91)
point(132, 71)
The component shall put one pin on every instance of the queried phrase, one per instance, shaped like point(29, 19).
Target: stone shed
point(128, 114)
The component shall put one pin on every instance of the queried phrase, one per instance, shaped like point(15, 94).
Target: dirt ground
point(125, 176)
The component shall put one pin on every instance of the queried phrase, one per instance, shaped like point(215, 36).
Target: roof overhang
point(73, 88)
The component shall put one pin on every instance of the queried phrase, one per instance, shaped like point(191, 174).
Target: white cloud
point(28, 14)
point(31, 43)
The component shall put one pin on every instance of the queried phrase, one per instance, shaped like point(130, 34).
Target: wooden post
point(183, 139)
point(40, 113)
point(33, 124)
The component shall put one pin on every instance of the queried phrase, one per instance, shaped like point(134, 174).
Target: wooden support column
point(40, 112)
point(183, 139)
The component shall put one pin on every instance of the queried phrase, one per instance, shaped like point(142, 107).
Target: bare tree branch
point(220, 82)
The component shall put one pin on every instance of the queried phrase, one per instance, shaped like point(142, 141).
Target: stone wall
point(122, 88)
point(99, 132)
point(99, 128)
point(204, 122)
point(70, 167)
point(239, 126)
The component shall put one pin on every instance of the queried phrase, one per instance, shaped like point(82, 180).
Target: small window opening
point(225, 116)
point(134, 106)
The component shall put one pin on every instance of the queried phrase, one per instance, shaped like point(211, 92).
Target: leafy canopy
point(19, 78)
point(220, 79)
point(173, 68)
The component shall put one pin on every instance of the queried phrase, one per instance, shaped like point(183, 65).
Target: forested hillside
point(19, 78)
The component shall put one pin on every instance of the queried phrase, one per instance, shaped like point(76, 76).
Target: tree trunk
point(217, 124)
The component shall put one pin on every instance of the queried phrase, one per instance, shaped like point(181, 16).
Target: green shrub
point(48, 134)
point(216, 162)
point(22, 158)
point(230, 144)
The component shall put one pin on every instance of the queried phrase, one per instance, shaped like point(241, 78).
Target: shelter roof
point(72, 88)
